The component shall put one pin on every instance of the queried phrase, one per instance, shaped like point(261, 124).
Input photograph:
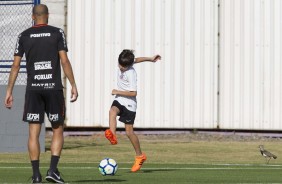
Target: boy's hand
point(156, 58)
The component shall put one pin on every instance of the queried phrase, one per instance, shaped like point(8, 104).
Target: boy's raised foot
point(111, 137)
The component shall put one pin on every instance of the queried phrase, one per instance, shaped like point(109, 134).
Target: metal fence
point(15, 17)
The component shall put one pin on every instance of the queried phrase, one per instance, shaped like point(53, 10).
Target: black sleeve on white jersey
point(62, 43)
point(19, 51)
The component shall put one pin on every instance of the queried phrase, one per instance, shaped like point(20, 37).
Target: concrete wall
point(13, 131)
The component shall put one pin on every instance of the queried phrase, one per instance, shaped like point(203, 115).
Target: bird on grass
point(266, 154)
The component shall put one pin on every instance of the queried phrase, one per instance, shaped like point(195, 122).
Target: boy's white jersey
point(127, 81)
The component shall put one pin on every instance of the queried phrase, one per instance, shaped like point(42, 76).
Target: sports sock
point(35, 167)
point(54, 163)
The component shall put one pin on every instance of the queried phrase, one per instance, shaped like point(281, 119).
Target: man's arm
point(151, 59)
point(12, 79)
point(69, 74)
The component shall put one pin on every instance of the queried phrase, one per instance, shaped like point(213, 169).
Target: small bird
point(266, 154)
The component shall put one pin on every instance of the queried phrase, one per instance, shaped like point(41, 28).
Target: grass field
point(176, 158)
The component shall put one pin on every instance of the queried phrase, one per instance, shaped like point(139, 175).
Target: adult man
point(44, 47)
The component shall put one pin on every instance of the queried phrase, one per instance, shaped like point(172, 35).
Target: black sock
point(54, 163)
point(35, 167)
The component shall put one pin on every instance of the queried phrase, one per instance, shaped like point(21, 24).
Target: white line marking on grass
point(160, 168)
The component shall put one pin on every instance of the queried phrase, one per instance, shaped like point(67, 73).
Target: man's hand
point(74, 94)
point(9, 101)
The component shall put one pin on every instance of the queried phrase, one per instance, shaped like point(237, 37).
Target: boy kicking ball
point(125, 104)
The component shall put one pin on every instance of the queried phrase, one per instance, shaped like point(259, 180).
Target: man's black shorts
point(37, 102)
point(126, 116)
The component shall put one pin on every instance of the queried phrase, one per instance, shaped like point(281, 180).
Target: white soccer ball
point(108, 166)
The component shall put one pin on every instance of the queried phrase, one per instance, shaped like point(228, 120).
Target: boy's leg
point(34, 150)
point(140, 157)
point(113, 119)
point(110, 134)
point(133, 139)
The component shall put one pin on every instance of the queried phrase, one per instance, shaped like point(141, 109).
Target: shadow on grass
point(154, 170)
point(158, 170)
point(99, 181)
point(74, 146)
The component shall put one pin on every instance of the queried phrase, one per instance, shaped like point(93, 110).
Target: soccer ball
point(108, 166)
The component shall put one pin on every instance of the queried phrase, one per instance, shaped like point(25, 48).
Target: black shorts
point(37, 102)
point(126, 116)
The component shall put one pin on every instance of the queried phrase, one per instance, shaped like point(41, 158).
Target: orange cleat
point(111, 137)
point(139, 160)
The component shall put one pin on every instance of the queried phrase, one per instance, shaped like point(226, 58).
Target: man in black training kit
point(45, 50)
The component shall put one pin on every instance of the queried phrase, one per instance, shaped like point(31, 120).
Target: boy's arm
point(151, 59)
point(124, 93)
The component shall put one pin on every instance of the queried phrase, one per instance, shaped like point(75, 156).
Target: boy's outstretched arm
point(151, 59)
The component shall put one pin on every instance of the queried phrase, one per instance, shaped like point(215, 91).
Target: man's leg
point(57, 139)
point(56, 145)
point(53, 175)
point(140, 157)
point(34, 150)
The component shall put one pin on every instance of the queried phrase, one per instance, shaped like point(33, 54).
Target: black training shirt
point(41, 45)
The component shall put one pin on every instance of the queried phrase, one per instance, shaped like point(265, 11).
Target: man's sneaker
point(36, 179)
point(54, 177)
point(110, 136)
point(139, 160)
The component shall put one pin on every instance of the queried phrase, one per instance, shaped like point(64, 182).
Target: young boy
point(125, 103)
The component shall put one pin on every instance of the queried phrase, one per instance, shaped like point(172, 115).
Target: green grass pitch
point(179, 158)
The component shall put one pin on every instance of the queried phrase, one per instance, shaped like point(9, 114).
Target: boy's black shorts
point(37, 102)
point(126, 116)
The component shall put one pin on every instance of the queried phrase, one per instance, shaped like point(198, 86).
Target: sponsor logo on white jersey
point(32, 117)
point(40, 35)
point(53, 117)
point(43, 77)
point(42, 65)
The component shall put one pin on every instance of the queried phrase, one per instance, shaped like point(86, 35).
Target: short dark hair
point(40, 9)
point(126, 58)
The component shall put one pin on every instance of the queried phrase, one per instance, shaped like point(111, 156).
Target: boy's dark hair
point(126, 58)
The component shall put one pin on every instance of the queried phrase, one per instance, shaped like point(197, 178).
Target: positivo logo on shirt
point(40, 35)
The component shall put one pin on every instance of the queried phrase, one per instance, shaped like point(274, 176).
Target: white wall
point(251, 69)
point(181, 90)
point(178, 92)
point(57, 11)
